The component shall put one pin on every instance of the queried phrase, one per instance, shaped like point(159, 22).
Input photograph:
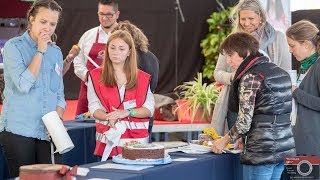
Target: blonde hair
point(305, 31)
point(251, 5)
point(130, 66)
point(140, 40)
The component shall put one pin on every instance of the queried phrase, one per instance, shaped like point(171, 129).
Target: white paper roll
point(57, 131)
point(293, 76)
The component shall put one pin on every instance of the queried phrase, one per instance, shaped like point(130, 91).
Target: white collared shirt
point(85, 43)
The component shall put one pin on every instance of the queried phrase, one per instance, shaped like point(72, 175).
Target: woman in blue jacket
point(33, 87)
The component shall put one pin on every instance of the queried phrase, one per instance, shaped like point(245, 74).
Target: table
point(205, 166)
point(83, 136)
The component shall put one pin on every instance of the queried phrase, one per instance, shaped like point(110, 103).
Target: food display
point(208, 136)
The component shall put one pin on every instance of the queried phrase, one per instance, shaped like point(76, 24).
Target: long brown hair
point(49, 4)
point(305, 31)
point(130, 66)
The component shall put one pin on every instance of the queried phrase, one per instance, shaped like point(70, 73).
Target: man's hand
point(73, 53)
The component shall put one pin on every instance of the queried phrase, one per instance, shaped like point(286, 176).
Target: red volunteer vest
point(110, 97)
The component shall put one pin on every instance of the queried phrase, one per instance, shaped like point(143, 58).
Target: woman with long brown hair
point(119, 94)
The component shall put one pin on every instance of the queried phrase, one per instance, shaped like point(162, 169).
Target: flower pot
point(185, 112)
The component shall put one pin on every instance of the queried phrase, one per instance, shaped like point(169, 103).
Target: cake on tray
point(136, 150)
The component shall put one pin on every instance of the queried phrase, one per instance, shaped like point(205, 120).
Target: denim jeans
point(263, 172)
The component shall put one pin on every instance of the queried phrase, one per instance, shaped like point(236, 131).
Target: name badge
point(57, 69)
point(130, 104)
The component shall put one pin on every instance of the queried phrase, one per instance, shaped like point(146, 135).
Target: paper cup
point(293, 76)
point(57, 131)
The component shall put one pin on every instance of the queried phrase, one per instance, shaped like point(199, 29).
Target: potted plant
point(219, 28)
point(198, 99)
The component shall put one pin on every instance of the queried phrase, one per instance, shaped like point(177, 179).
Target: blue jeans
point(263, 172)
point(231, 118)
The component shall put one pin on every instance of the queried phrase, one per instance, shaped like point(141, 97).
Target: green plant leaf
point(219, 28)
point(199, 95)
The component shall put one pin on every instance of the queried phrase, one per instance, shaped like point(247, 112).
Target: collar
point(102, 31)
point(29, 40)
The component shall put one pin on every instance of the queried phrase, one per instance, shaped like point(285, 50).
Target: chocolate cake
point(142, 151)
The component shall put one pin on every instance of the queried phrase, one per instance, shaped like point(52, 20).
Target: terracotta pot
point(185, 113)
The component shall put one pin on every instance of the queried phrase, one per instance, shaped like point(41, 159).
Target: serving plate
point(119, 159)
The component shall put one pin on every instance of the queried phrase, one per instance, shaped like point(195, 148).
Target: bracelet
point(41, 52)
point(132, 112)
point(230, 136)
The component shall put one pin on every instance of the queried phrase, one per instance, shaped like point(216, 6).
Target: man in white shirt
point(92, 44)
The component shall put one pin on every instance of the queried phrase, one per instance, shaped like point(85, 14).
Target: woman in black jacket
point(261, 96)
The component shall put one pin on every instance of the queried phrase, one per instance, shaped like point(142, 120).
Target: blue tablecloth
point(83, 136)
point(205, 166)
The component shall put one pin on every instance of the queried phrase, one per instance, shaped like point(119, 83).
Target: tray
point(200, 149)
point(119, 159)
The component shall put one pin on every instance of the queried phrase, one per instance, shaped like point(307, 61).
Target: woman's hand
point(220, 144)
point(293, 88)
point(239, 144)
point(112, 123)
point(117, 114)
point(43, 40)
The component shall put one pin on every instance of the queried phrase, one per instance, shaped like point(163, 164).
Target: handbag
point(165, 108)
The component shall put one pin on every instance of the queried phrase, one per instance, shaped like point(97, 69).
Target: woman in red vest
point(120, 93)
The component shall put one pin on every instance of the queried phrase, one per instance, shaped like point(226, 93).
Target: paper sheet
point(184, 159)
point(121, 166)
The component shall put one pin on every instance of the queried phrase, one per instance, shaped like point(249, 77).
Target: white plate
point(198, 147)
point(194, 149)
